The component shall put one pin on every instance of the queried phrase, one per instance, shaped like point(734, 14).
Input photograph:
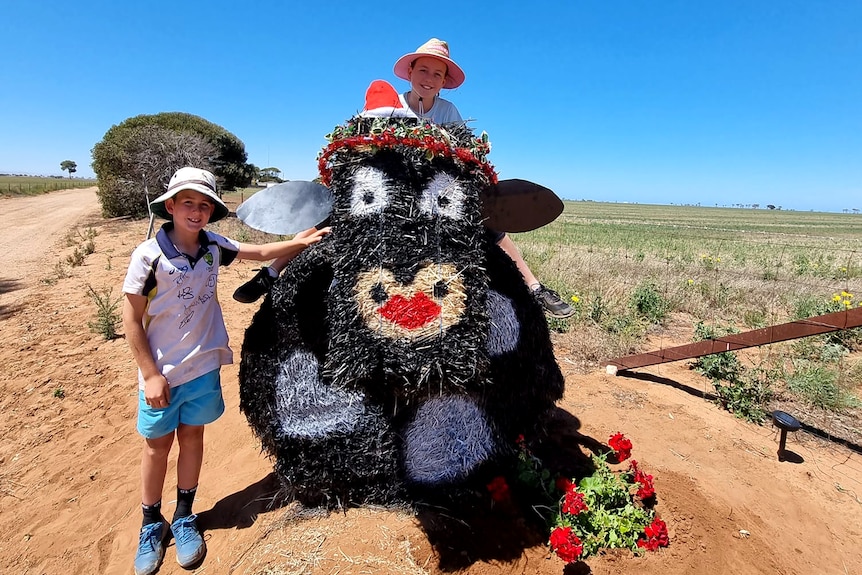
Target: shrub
point(649, 303)
point(818, 385)
point(142, 152)
point(108, 315)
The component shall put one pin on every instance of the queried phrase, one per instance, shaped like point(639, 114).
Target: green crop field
point(32, 185)
point(709, 262)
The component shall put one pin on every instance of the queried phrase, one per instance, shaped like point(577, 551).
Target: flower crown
point(370, 134)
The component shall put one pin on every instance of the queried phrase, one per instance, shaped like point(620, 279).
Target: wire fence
point(38, 187)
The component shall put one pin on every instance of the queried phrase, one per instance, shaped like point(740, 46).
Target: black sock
point(152, 513)
point(185, 498)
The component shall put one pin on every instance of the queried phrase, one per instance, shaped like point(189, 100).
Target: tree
point(270, 175)
point(69, 165)
point(142, 164)
point(144, 147)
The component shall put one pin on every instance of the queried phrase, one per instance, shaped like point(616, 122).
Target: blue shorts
point(197, 402)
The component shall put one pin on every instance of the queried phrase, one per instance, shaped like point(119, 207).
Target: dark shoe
point(259, 285)
point(190, 545)
point(151, 548)
point(553, 304)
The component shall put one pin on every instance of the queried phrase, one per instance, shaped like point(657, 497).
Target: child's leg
point(191, 440)
point(154, 466)
point(189, 541)
point(508, 246)
point(548, 298)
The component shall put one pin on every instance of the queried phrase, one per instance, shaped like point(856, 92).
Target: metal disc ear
point(287, 208)
point(519, 206)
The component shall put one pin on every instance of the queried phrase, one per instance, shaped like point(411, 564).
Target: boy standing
point(176, 332)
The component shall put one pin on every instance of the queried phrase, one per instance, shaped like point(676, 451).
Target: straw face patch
point(427, 306)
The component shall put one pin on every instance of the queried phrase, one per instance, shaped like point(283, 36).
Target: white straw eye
point(443, 196)
point(370, 194)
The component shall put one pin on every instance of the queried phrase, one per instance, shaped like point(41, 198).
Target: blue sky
point(717, 103)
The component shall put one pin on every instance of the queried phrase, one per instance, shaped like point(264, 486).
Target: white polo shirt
point(183, 319)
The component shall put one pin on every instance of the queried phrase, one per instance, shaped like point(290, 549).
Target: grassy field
point(32, 185)
point(709, 262)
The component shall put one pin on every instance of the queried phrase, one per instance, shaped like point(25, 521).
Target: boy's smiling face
point(191, 210)
point(427, 76)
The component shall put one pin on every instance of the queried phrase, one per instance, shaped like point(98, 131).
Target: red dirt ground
point(69, 466)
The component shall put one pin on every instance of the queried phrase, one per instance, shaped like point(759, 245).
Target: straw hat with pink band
point(439, 50)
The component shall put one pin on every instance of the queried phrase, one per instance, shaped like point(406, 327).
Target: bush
point(142, 153)
point(649, 303)
point(819, 386)
point(108, 315)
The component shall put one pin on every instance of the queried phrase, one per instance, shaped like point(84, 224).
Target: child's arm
point(157, 391)
point(286, 249)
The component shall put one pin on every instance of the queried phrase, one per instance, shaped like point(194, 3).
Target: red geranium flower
point(566, 544)
point(564, 484)
point(499, 489)
point(656, 536)
point(574, 502)
point(621, 445)
point(644, 480)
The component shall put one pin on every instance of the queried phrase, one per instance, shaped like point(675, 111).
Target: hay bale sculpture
point(403, 355)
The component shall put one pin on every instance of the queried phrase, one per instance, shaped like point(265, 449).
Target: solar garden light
point(785, 422)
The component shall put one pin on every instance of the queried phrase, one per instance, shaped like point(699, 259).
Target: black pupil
point(378, 293)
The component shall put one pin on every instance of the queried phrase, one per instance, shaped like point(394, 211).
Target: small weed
point(107, 314)
point(60, 270)
point(598, 310)
point(818, 385)
point(747, 396)
point(649, 303)
point(723, 366)
point(754, 319)
point(743, 393)
point(76, 258)
point(59, 393)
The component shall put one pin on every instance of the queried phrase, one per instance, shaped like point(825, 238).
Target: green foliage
point(818, 385)
point(59, 393)
point(108, 315)
point(723, 366)
point(69, 166)
point(747, 396)
point(810, 306)
point(613, 517)
point(84, 246)
point(649, 302)
point(743, 393)
point(145, 150)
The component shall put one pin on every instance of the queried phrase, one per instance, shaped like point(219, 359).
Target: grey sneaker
point(259, 285)
point(553, 304)
point(190, 545)
point(151, 548)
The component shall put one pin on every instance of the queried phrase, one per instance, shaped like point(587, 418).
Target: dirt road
point(29, 227)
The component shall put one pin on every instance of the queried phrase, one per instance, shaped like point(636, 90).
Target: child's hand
point(313, 237)
point(157, 391)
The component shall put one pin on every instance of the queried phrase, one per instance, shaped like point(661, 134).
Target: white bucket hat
point(196, 179)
